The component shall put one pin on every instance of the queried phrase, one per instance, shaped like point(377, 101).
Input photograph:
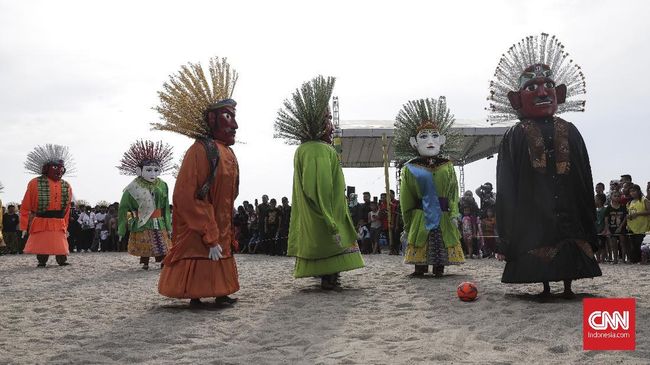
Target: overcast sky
point(85, 74)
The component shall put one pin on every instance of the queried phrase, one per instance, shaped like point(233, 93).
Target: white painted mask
point(428, 142)
point(149, 172)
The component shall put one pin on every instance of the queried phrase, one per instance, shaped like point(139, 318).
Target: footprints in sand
point(106, 311)
point(347, 362)
point(362, 336)
point(339, 354)
point(558, 349)
point(441, 358)
point(404, 305)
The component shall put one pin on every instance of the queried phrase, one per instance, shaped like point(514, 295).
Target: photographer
point(488, 199)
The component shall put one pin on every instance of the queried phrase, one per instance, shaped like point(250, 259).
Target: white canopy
point(362, 145)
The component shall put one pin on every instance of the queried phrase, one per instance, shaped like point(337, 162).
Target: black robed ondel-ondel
point(545, 209)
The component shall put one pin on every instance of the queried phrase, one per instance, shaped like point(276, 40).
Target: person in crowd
point(486, 197)
point(637, 221)
point(614, 185)
point(363, 237)
point(100, 215)
point(600, 188)
point(626, 178)
point(271, 227)
point(645, 253)
point(356, 209)
point(387, 226)
point(285, 220)
point(241, 228)
point(48, 199)
point(10, 230)
point(429, 188)
point(111, 229)
point(322, 237)
point(375, 227)
point(253, 229)
point(625, 192)
point(467, 200)
point(87, 224)
point(396, 225)
point(146, 198)
point(383, 215)
point(615, 214)
point(489, 230)
point(365, 207)
point(262, 213)
point(545, 206)
point(603, 246)
point(74, 228)
point(471, 229)
point(103, 237)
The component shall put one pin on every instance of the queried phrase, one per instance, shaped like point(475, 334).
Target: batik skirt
point(149, 243)
point(434, 252)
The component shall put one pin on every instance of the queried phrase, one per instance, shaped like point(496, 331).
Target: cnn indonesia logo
point(599, 320)
point(608, 323)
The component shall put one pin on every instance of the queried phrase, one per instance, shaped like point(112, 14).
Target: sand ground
point(103, 309)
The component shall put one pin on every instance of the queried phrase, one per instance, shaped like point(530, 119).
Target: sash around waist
point(50, 214)
point(155, 214)
point(444, 204)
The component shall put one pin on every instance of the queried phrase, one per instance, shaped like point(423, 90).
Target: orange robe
point(47, 236)
point(199, 224)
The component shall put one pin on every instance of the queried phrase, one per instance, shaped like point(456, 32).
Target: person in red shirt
point(394, 223)
point(625, 193)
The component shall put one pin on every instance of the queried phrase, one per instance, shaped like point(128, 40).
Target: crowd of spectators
point(622, 221)
point(477, 224)
point(90, 228)
point(377, 233)
point(263, 228)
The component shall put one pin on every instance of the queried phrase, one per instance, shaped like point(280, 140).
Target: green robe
point(130, 204)
point(444, 179)
point(320, 211)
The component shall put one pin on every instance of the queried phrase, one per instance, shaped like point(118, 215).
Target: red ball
point(467, 291)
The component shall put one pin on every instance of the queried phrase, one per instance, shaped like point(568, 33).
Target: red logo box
point(608, 324)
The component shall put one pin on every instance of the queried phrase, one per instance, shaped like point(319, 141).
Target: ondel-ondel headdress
point(510, 73)
point(421, 114)
point(303, 117)
point(189, 94)
point(49, 154)
point(143, 153)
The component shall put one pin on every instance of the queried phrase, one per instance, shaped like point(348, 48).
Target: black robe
point(545, 208)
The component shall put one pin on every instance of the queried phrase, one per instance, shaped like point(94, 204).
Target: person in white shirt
point(363, 236)
point(99, 225)
point(87, 221)
point(375, 227)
